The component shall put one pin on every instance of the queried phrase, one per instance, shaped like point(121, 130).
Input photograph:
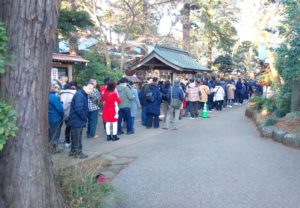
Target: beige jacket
point(192, 92)
point(230, 91)
point(204, 93)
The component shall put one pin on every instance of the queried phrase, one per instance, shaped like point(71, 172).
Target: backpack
point(149, 97)
point(175, 102)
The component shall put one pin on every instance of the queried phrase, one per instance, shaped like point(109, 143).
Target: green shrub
point(293, 116)
point(283, 100)
point(8, 115)
point(269, 104)
point(8, 127)
point(78, 186)
point(258, 101)
point(270, 122)
point(279, 113)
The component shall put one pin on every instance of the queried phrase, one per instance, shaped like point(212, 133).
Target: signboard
point(54, 74)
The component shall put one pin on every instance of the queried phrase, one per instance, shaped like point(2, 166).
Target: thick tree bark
point(295, 96)
point(26, 175)
point(186, 25)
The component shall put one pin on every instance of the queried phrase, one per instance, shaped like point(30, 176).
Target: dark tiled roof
point(65, 58)
point(176, 58)
point(179, 57)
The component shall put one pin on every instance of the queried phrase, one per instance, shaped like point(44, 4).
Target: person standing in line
point(110, 101)
point(55, 119)
point(204, 90)
point(219, 95)
point(239, 90)
point(165, 105)
point(193, 96)
point(173, 114)
point(66, 97)
point(153, 106)
point(78, 119)
point(230, 94)
point(143, 100)
point(135, 104)
point(126, 96)
point(94, 107)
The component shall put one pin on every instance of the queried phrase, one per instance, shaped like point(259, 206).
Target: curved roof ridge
point(169, 47)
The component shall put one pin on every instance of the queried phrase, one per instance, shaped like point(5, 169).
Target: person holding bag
point(175, 99)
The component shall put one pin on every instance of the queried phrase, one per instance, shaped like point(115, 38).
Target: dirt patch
point(291, 126)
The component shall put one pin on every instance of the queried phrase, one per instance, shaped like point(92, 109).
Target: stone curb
point(276, 134)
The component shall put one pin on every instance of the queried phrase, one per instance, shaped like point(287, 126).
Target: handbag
point(175, 102)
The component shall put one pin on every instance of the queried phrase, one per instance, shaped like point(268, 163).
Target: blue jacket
point(79, 110)
point(239, 86)
point(177, 93)
point(55, 109)
point(154, 108)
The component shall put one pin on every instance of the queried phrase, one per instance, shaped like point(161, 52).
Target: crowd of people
point(120, 101)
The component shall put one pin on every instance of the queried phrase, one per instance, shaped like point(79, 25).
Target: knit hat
point(176, 83)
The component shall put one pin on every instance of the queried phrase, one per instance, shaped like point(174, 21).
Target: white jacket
point(66, 97)
point(219, 93)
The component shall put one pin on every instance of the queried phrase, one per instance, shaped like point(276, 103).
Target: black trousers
point(194, 109)
point(67, 133)
point(219, 105)
point(152, 120)
point(54, 132)
point(76, 139)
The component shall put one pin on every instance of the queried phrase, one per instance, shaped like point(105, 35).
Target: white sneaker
point(192, 118)
point(67, 145)
point(229, 106)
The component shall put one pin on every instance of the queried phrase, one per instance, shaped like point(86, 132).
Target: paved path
point(220, 162)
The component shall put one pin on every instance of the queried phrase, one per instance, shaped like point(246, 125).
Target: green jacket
point(125, 95)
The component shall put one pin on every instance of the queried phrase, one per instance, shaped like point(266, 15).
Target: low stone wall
point(276, 134)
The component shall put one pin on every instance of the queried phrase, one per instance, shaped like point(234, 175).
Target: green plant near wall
point(95, 69)
point(8, 115)
point(8, 127)
point(3, 47)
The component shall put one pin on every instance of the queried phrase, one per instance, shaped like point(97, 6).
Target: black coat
point(154, 107)
point(79, 110)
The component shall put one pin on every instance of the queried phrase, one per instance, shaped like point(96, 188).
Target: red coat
point(109, 111)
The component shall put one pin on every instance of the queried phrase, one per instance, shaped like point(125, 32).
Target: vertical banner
point(54, 74)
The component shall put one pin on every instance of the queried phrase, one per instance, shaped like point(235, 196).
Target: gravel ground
point(220, 162)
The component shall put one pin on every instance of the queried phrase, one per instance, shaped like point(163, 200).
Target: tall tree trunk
point(123, 45)
point(73, 44)
point(295, 96)
point(210, 43)
point(145, 20)
point(210, 54)
point(186, 25)
point(73, 39)
point(26, 174)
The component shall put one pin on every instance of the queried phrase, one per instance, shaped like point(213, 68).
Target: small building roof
point(134, 79)
point(168, 57)
point(66, 58)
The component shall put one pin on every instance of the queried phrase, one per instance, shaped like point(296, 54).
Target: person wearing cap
point(174, 92)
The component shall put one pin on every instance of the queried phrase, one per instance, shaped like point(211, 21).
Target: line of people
point(120, 102)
